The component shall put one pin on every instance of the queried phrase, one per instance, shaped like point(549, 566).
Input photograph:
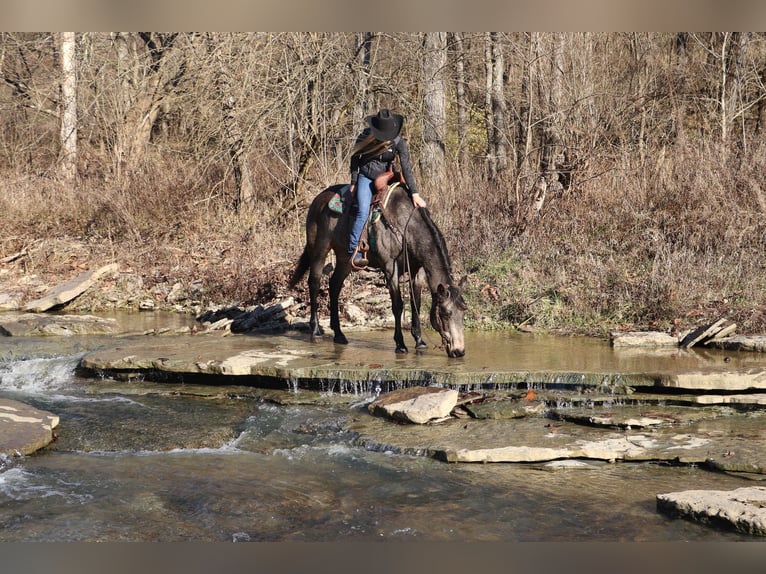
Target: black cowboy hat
point(385, 126)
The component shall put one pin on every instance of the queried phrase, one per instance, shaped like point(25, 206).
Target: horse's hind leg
point(336, 285)
point(315, 277)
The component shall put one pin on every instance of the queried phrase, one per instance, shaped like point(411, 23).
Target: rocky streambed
point(561, 404)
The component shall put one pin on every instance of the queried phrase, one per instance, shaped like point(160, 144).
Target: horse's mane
point(441, 245)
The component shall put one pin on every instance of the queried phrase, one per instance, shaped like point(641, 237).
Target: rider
point(373, 154)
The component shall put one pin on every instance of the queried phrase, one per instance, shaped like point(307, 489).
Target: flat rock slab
point(370, 361)
point(36, 325)
point(742, 510)
point(24, 429)
point(631, 417)
point(73, 288)
point(756, 343)
point(721, 439)
point(642, 339)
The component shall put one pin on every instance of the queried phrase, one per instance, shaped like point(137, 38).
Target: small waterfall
point(37, 375)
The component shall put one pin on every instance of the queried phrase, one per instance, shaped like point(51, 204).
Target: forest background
point(584, 182)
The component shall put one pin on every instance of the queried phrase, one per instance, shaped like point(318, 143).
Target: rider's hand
point(418, 201)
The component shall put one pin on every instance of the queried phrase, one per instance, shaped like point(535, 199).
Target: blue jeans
point(363, 199)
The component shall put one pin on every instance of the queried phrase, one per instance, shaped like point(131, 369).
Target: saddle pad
point(336, 202)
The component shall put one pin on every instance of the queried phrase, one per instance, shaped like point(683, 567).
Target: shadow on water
point(172, 463)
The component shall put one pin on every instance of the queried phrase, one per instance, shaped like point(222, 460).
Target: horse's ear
point(462, 282)
point(443, 291)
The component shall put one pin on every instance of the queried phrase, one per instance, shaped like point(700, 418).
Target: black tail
point(300, 270)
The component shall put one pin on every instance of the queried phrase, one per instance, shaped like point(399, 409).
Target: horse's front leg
point(397, 306)
point(416, 291)
point(336, 285)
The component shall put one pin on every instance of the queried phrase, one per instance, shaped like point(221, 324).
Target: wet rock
point(755, 343)
point(715, 381)
point(631, 417)
point(707, 333)
point(35, 325)
point(73, 288)
point(24, 429)
point(642, 339)
point(742, 510)
point(504, 409)
point(257, 319)
point(719, 438)
point(416, 404)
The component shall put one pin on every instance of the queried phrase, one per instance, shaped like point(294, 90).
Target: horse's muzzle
point(454, 353)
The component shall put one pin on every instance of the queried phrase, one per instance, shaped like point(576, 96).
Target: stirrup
point(358, 260)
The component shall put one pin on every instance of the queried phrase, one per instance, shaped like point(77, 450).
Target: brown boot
point(358, 261)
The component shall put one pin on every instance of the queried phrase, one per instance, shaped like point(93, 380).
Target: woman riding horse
point(375, 150)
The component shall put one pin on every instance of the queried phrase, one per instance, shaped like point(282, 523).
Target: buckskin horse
point(403, 241)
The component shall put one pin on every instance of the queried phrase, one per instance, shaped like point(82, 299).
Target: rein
point(411, 279)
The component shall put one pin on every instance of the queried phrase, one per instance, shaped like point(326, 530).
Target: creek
point(224, 464)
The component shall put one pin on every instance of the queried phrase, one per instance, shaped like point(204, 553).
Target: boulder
point(23, 428)
point(416, 404)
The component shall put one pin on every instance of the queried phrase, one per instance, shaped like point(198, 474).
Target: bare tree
point(68, 114)
point(434, 62)
point(150, 72)
point(524, 126)
point(460, 96)
point(495, 108)
point(552, 152)
point(361, 76)
point(233, 136)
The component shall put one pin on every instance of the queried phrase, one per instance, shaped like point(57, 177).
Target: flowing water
point(213, 466)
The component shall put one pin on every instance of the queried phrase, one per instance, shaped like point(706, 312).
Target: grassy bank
point(667, 244)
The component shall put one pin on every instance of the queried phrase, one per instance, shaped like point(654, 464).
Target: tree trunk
point(497, 153)
point(731, 75)
point(460, 100)
point(434, 62)
point(552, 157)
point(68, 114)
point(149, 84)
point(361, 73)
point(524, 128)
point(233, 138)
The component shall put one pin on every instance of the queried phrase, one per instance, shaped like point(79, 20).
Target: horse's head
point(447, 313)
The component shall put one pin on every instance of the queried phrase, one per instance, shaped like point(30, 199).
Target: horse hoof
point(421, 344)
point(340, 339)
point(316, 338)
point(402, 350)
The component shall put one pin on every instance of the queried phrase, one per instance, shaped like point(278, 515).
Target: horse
point(403, 241)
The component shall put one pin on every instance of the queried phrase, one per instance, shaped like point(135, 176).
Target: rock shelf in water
point(556, 404)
